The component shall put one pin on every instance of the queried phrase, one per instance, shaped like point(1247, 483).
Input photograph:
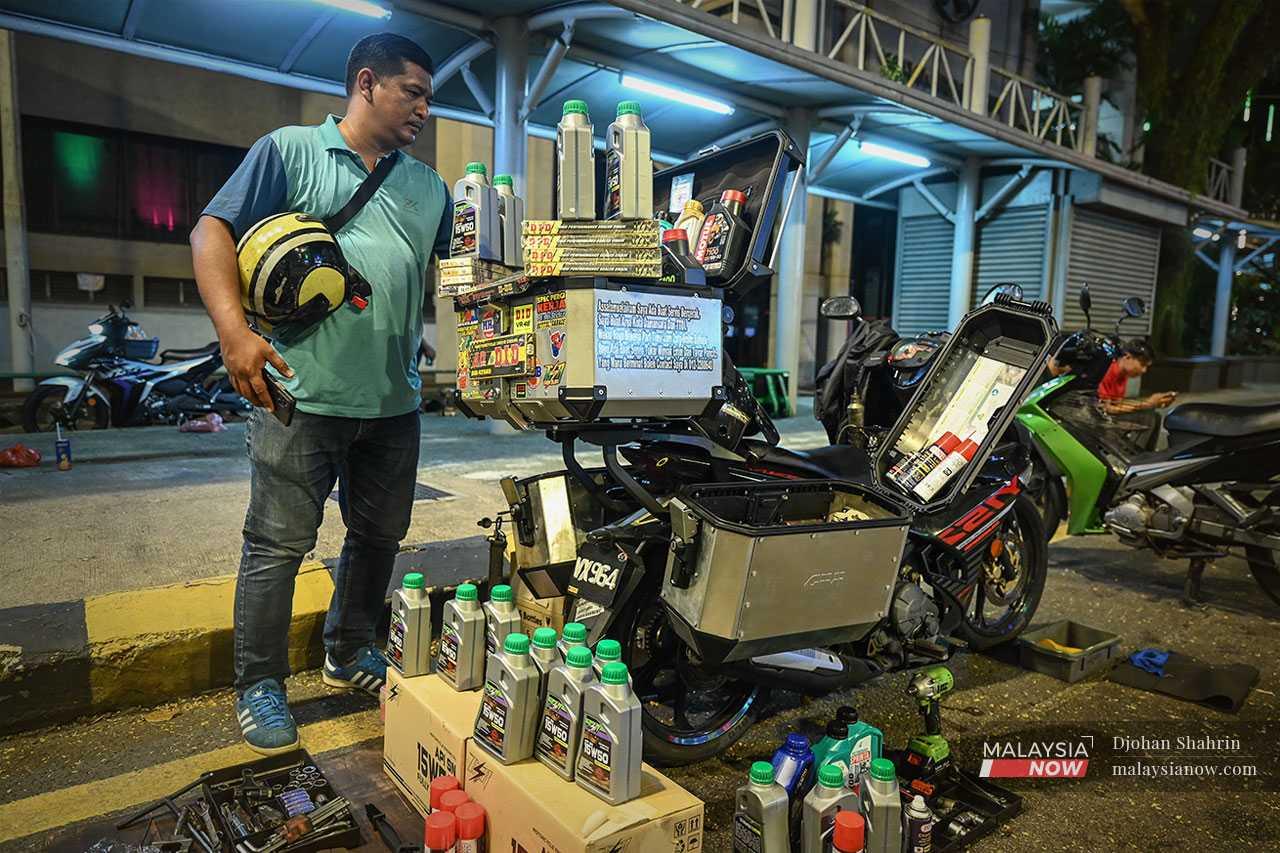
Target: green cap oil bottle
point(545, 656)
point(828, 796)
point(760, 815)
point(460, 660)
point(561, 724)
point(409, 640)
point(610, 741)
point(508, 717)
point(500, 618)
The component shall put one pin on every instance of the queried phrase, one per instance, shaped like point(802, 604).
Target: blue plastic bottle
point(793, 766)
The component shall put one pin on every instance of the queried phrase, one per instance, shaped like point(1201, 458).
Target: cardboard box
point(532, 810)
point(537, 612)
point(428, 732)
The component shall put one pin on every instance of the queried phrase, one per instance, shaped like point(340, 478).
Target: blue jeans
point(294, 468)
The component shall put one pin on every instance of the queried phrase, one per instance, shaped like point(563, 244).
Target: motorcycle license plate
point(598, 573)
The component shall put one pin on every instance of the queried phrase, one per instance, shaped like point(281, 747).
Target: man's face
point(401, 103)
point(1133, 366)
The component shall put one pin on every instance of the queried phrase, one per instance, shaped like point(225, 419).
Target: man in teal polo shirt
point(354, 376)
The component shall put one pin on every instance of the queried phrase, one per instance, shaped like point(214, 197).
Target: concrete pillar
point(1237, 176)
point(17, 267)
point(968, 187)
point(510, 147)
point(1089, 123)
point(788, 312)
point(980, 47)
point(1222, 298)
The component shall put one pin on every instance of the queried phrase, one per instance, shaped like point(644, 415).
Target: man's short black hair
point(386, 54)
point(1140, 349)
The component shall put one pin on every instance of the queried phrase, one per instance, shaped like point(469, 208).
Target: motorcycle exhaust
point(812, 671)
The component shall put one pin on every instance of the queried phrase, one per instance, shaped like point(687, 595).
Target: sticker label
point(491, 724)
point(395, 639)
point(748, 836)
point(613, 185)
point(521, 319)
point(681, 192)
point(712, 240)
point(463, 241)
point(508, 355)
point(553, 736)
point(586, 609)
point(447, 660)
point(550, 309)
point(595, 759)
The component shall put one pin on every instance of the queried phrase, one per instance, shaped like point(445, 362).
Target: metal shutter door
point(1011, 247)
point(1118, 258)
point(924, 274)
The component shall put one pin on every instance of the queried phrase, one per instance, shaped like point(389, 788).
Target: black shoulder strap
point(364, 192)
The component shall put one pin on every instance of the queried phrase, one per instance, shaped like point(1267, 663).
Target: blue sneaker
point(265, 722)
point(367, 672)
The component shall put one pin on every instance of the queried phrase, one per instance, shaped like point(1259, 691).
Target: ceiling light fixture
point(360, 7)
point(875, 149)
point(640, 84)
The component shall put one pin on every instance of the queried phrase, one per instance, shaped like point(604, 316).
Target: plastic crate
point(144, 349)
point(1097, 649)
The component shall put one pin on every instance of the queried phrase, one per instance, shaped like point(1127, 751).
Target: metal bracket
point(935, 202)
point(786, 214)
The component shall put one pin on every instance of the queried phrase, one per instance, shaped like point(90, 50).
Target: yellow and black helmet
point(293, 274)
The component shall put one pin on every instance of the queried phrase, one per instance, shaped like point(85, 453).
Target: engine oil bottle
point(574, 634)
point(829, 797)
point(628, 166)
point(678, 265)
point(510, 219)
point(760, 814)
point(477, 229)
point(607, 651)
point(723, 238)
point(793, 765)
point(461, 660)
point(409, 640)
point(691, 220)
point(610, 740)
point(881, 807)
point(866, 744)
point(500, 619)
point(508, 714)
point(834, 747)
point(561, 724)
point(545, 657)
point(575, 163)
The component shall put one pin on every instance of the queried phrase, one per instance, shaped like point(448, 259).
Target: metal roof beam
point(303, 42)
point(462, 56)
point(1011, 186)
point(131, 18)
point(550, 63)
point(934, 202)
point(444, 14)
point(834, 148)
point(477, 90)
point(896, 183)
point(1244, 262)
point(826, 192)
point(736, 135)
point(569, 14)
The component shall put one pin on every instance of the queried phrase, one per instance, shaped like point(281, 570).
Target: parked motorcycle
point(1214, 490)
point(121, 386)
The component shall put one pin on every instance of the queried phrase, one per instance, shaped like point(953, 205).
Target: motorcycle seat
point(185, 354)
point(1223, 420)
point(834, 462)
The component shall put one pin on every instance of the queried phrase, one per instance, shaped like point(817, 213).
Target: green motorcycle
point(1213, 491)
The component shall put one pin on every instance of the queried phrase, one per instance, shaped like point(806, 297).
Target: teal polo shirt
point(355, 364)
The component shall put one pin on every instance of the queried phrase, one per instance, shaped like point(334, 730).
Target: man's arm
point(257, 189)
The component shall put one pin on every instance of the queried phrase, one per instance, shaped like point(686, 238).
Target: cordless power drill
point(930, 751)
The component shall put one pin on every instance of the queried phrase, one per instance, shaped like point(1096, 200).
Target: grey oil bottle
point(409, 640)
point(760, 814)
point(477, 229)
point(881, 805)
point(561, 722)
point(511, 216)
point(610, 741)
point(461, 658)
point(574, 634)
point(575, 163)
point(628, 187)
point(508, 717)
point(500, 619)
point(545, 656)
point(818, 816)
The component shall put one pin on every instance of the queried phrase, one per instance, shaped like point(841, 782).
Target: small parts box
point(1097, 649)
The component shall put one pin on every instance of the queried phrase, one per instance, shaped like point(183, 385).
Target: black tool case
point(978, 378)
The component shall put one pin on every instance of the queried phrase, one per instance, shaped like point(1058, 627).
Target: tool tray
point(274, 771)
point(994, 804)
point(760, 568)
point(979, 377)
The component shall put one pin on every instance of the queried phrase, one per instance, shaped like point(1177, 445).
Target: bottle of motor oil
point(607, 651)
point(829, 796)
point(471, 820)
point(508, 717)
point(691, 220)
point(574, 634)
point(561, 725)
point(610, 741)
point(760, 814)
point(461, 660)
point(510, 216)
point(545, 657)
point(793, 765)
point(948, 468)
point(628, 166)
point(723, 239)
point(850, 833)
point(881, 807)
point(477, 229)
point(834, 746)
point(917, 829)
point(575, 163)
point(500, 618)
point(866, 744)
point(409, 640)
point(678, 265)
point(913, 468)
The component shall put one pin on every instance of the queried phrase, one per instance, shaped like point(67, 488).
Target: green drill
point(927, 751)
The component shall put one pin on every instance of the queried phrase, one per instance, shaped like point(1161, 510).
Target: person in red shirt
point(1134, 360)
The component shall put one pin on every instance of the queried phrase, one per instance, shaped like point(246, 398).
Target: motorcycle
point(633, 547)
point(121, 386)
point(1214, 490)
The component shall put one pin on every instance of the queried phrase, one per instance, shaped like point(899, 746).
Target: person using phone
point(1136, 415)
point(353, 378)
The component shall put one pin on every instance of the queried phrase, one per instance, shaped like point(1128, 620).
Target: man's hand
point(1164, 398)
point(245, 354)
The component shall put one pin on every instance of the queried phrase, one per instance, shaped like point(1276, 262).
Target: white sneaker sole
point(273, 750)
point(344, 685)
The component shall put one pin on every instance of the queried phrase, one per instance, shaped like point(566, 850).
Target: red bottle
point(450, 800)
point(471, 837)
point(440, 786)
point(442, 833)
point(723, 238)
point(850, 835)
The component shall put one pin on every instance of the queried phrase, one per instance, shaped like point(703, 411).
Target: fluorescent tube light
point(1202, 233)
point(884, 151)
point(360, 7)
point(671, 93)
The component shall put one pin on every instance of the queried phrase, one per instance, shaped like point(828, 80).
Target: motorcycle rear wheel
point(1024, 553)
point(1265, 566)
point(42, 411)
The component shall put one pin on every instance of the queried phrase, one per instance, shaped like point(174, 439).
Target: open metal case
point(593, 350)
